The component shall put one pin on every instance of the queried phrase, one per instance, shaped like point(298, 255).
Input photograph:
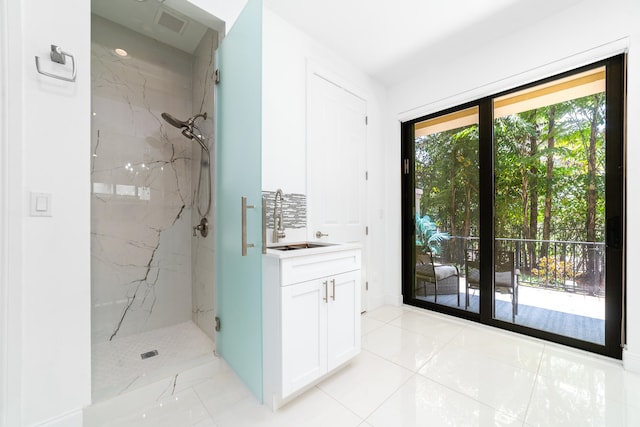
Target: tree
point(548, 193)
point(549, 174)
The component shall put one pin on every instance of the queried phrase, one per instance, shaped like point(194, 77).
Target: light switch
point(40, 204)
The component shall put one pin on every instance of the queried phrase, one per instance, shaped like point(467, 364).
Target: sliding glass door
point(446, 207)
point(512, 209)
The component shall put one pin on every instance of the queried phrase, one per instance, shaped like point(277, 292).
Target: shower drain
point(149, 354)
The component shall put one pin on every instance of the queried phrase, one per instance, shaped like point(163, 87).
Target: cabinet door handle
point(326, 292)
point(333, 283)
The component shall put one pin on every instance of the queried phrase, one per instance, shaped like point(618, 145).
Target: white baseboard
point(631, 361)
point(70, 419)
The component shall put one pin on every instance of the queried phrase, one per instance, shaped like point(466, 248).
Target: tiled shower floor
point(117, 366)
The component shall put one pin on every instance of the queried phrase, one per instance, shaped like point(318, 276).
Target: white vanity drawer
point(301, 269)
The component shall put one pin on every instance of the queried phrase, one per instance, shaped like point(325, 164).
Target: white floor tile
point(312, 409)
point(225, 390)
point(603, 377)
point(631, 387)
point(182, 409)
point(556, 403)
point(492, 382)
point(422, 402)
point(205, 423)
point(369, 324)
point(405, 348)
point(433, 326)
point(509, 348)
point(365, 383)
point(385, 313)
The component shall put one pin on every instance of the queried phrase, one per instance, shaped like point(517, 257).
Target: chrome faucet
point(278, 225)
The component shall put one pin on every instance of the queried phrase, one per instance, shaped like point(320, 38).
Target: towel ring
point(59, 56)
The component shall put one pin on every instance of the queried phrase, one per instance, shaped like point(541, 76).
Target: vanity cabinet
point(311, 319)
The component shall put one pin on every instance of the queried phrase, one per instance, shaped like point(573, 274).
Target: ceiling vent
point(171, 21)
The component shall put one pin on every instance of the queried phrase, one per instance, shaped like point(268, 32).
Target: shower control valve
point(203, 228)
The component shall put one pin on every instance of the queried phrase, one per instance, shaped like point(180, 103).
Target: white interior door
point(336, 164)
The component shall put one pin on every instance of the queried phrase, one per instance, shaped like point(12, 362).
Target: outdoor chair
point(506, 277)
point(444, 277)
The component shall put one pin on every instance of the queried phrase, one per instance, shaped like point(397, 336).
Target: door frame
point(615, 322)
point(4, 215)
point(11, 201)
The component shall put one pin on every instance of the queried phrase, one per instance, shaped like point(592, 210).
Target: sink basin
point(296, 246)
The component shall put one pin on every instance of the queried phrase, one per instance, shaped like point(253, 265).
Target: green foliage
point(447, 170)
point(519, 173)
point(427, 235)
point(553, 270)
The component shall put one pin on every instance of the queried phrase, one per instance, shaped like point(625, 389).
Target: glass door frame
point(615, 275)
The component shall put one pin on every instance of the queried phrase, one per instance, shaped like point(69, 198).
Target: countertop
point(326, 247)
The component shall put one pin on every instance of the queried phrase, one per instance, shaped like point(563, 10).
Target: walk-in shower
point(152, 281)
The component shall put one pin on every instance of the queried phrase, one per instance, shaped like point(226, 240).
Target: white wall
point(7, 381)
point(49, 319)
point(287, 51)
point(225, 10)
point(589, 31)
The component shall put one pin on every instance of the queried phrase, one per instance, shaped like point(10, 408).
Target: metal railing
point(564, 265)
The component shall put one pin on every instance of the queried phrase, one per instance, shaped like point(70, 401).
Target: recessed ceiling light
point(120, 52)
point(140, 1)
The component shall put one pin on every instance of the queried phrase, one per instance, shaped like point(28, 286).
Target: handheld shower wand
point(187, 127)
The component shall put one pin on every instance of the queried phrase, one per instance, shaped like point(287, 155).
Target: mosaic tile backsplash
point(294, 209)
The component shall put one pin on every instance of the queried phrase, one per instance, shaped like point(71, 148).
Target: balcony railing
point(564, 265)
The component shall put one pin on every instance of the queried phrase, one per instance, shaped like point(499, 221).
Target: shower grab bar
point(59, 56)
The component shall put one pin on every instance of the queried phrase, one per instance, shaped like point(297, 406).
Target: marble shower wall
point(142, 184)
point(203, 304)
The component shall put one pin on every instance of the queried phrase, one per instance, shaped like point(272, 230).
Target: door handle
point(333, 295)
point(319, 234)
point(613, 232)
point(245, 245)
point(264, 225)
point(326, 292)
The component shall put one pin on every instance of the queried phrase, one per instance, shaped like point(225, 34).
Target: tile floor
point(416, 368)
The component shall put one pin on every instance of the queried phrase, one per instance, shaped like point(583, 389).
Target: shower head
point(179, 123)
point(187, 127)
point(173, 121)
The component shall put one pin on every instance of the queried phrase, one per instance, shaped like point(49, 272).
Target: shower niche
point(152, 280)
